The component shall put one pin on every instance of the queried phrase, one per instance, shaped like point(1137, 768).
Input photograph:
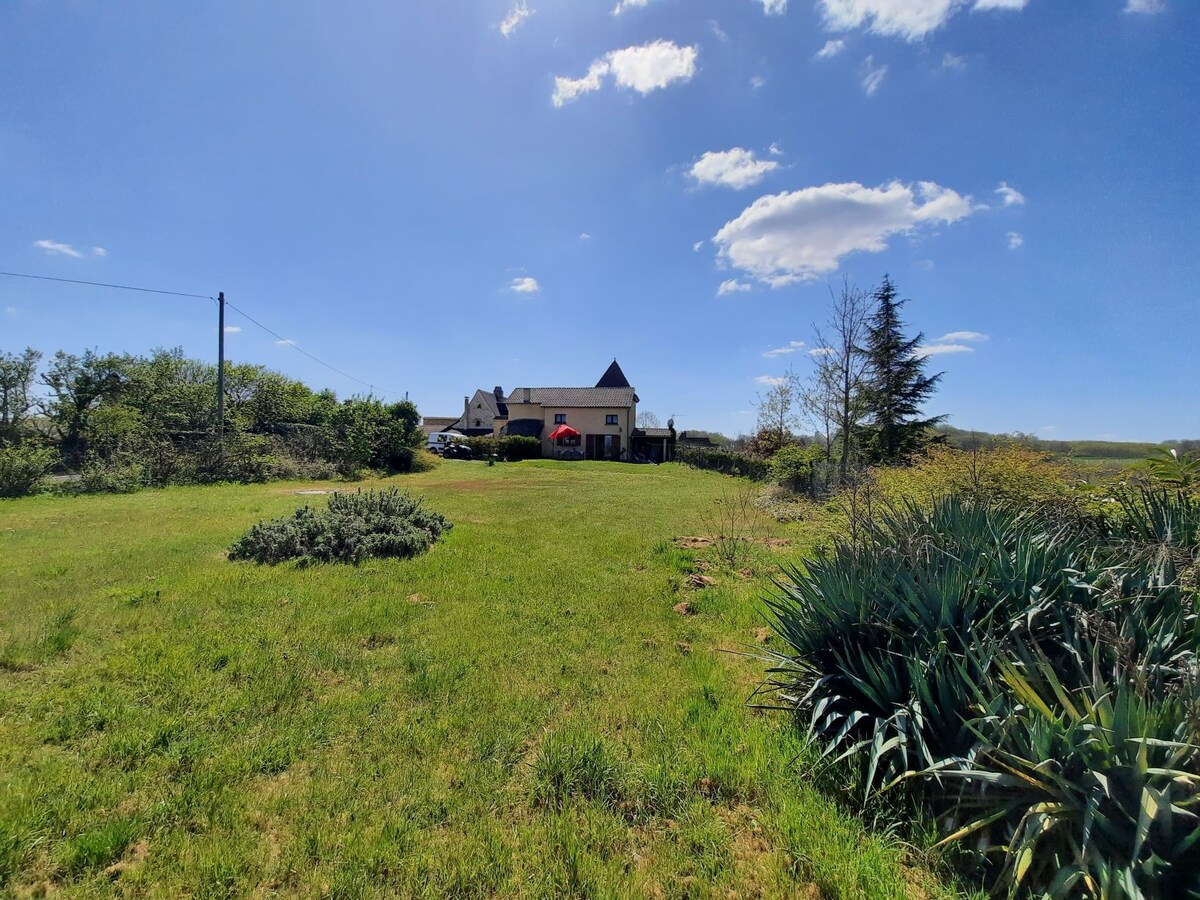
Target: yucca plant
point(1086, 792)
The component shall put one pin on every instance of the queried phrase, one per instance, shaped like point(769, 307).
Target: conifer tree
point(898, 385)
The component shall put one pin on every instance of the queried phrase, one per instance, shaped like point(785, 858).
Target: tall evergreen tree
point(898, 386)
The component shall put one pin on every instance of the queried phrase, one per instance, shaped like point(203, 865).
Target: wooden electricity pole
point(221, 368)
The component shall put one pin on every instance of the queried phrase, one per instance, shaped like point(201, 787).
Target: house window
point(610, 419)
point(560, 418)
point(476, 423)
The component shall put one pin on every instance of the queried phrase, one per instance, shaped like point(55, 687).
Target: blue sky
point(435, 196)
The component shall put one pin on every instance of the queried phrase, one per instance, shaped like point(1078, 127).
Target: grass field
point(518, 713)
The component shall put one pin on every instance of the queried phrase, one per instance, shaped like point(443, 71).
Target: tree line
point(126, 420)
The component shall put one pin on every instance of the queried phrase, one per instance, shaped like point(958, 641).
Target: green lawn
point(518, 713)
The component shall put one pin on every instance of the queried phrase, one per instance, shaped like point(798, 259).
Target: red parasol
point(563, 431)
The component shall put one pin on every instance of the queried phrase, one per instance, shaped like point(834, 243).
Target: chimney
point(466, 411)
point(499, 392)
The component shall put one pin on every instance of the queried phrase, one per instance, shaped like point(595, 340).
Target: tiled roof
point(656, 433)
point(575, 397)
point(434, 424)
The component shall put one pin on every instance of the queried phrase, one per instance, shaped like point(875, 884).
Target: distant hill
point(1081, 450)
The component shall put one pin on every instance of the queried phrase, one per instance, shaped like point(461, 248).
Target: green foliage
point(22, 468)
point(369, 434)
point(898, 386)
point(1171, 468)
point(17, 374)
point(725, 462)
point(353, 528)
point(794, 466)
point(1049, 664)
point(576, 764)
point(519, 446)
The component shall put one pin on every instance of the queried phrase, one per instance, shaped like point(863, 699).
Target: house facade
point(587, 422)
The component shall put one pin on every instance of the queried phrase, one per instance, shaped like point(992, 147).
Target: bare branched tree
point(779, 408)
point(837, 391)
point(647, 419)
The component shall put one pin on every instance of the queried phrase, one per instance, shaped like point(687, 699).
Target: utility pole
point(221, 369)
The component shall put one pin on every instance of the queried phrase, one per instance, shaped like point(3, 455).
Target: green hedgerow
point(354, 527)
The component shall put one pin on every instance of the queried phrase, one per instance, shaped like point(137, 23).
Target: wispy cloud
point(821, 351)
point(584, 236)
point(1147, 7)
point(774, 7)
point(953, 61)
point(647, 68)
point(789, 347)
point(1016, 240)
point(758, 82)
point(233, 329)
point(941, 349)
point(1010, 195)
point(873, 75)
point(958, 336)
point(286, 342)
point(736, 168)
point(800, 235)
point(907, 19)
point(10, 310)
point(623, 5)
point(698, 246)
point(99, 251)
point(717, 30)
point(525, 285)
point(831, 49)
point(770, 380)
point(54, 248)
point(732, 286)
point(518, 14)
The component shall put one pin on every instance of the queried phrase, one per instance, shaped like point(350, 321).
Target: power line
point(288, 343)
point(282, 340)
point(120, 287)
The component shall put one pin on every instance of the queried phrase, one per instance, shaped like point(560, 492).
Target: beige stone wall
point(585, 421)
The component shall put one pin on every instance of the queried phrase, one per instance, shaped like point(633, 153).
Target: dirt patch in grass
point(699, 542)
point(133, 859)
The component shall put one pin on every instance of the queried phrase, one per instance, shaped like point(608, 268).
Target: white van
point(439, 439)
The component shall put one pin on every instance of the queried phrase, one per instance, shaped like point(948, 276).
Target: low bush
point(117, 475)
point(1030, 679)
point(22, 468)
point(518, 446)
point(353, 527)
point(725, 462)
point(794, 467)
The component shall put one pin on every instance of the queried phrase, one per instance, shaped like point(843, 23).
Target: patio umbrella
point(563, 431)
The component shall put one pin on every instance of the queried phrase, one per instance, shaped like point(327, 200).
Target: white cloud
point(872, 76)
point(54, 248)
point(1015, 240)
point(958, 336)
point(99, 251)
point(584, 236)
point(644, 69)
point(732, 286)
point(717, 30)
point(525, 285)
point(285, 342)
point(770, 379)
point(567, 89)
point(697, 246)
point(10, 310)
point(907, 19)
point(924, 265)
point(518, 14)
point(736, 168)
point(821, 351)
point(951, 61)
point(623, 5)
point(233, 329)
point(1149, 7)
point(774, 7)
point(652, 66)
point(1010, 195)
point(801, 235)
point(775, 150)
point(789, 347)
point(940, 349)
point(831, 49)
point(757, 82)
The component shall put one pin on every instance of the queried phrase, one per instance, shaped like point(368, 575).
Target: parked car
point(439, 441)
